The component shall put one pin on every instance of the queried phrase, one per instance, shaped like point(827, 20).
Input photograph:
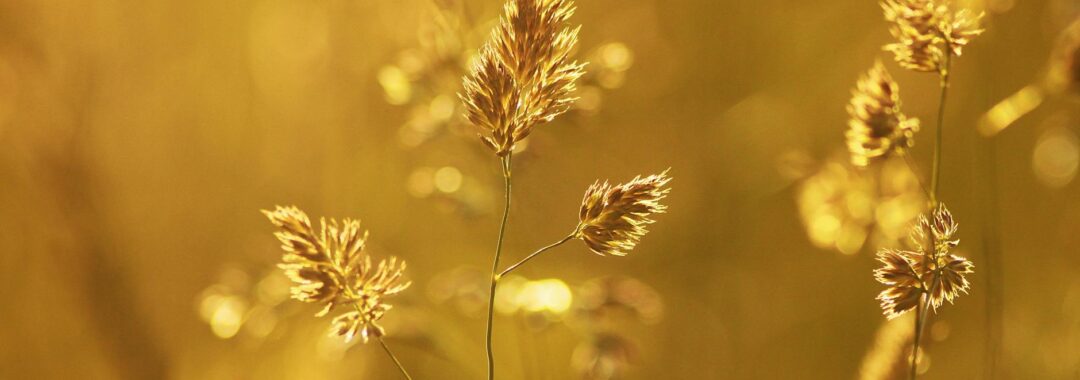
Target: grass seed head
point(613, 218)
point(329, 267)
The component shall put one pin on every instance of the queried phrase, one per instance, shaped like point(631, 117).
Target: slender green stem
point(915, 348)
point(506, 165)
point(394, 358)
point(349, 295)
point(539, 251)
point(922, 315)
point(924, 301)
point(926, 307)
point(936, 177)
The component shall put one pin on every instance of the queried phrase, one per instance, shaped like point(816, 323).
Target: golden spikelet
point(877, 128)
point(950, 280)
point(914, 27)
point(908, 274)
point(904, 285)
point(532, 38)
point(524, 75)
point(926, 31)
point(614, 218)
point(942, 228)
point(329, 266)
point(942, 272)
point(961, 28)
point(493, 102)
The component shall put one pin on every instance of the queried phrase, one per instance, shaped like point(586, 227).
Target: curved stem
point(506, 165)
point(391, 354)
point(349, 295)
point(539, 251)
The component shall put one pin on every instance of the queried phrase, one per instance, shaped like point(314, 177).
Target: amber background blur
point(140, 139)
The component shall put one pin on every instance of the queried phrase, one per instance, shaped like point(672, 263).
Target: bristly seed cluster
point(524, 75)
point(329, 266)
point(614, 218)
point(928, 270)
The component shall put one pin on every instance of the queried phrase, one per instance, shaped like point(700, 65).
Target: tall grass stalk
point(507, 165)
point(921, 314)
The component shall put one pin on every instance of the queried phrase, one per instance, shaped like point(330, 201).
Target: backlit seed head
point(524, 75)
point(330, 267)
point(877, 128)
point(613, 218)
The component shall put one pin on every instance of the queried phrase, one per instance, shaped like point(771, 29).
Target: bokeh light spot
point(421, 183)
point(448, 179)
point(545, 295)
point(227, 317)
point(395, 85)
point(1056, 157)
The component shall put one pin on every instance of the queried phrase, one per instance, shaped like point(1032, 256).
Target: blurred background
point(141, 138)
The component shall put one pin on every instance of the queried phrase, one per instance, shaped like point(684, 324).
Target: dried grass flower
point(929, 270)
point(524, 75)
point(948, 270)
point(940, 229)
point(613, 218)
point(903, 280)
point(927, 31)
point(877, 127)
point(329, 267)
